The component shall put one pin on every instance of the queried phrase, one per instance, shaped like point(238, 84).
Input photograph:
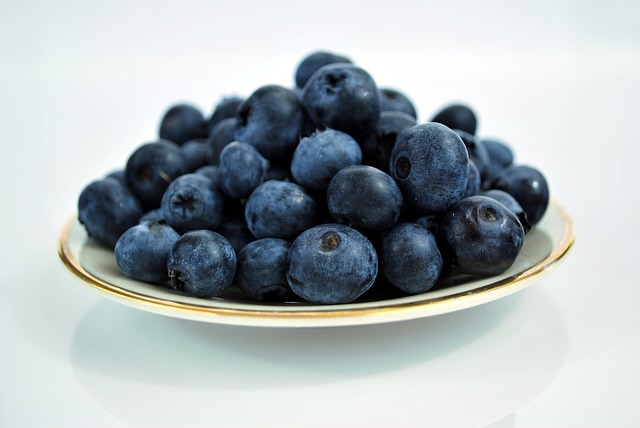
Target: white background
point(82, 83)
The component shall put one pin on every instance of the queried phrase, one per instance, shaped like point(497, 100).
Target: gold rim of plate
point(356, 313)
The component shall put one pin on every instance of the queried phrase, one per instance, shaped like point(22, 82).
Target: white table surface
point(83, 83)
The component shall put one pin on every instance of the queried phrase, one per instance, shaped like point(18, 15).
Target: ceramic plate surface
point(544, 247)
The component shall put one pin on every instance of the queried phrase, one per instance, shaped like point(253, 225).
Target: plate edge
point(392, 311)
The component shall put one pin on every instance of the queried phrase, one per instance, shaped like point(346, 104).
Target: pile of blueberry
point(320, 193)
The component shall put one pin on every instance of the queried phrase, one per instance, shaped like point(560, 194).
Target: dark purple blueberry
point(473, 181)
point(279, 209)
point(308, 127)
point(528, 186)
point(195, 154)
point(279, 172)
point(321, 155)
point(209, 171)
point(395, 100)
point(154, 215)
point(500, 157)
point(377, 149)
point(192, 202)
point(410, 259)
point(141, 251)
point(510, 202)
point(312, 62)
point(483, 236)
point(150, 169)
point(181, 123)
point(201, 263)
point(226, 108)
point(241, 169)
point(457, 116)
point(431, 222)
point(222, 134)
point(477, 151)
point(107, 208)
point(235, 229)
point(331, 263)
point(262, 270)
point(431, 165)
point(365, 198)
point(119, 175)
point(271, 121)
point(343, 97)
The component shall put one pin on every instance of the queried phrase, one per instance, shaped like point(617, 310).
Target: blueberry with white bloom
point(201, 263)
point(142, 250)
point(431, 165)
point(192, 202)
point(331, 263)
point(107, 208)
point(320, 156)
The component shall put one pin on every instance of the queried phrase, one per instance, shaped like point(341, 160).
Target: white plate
point(544, 247)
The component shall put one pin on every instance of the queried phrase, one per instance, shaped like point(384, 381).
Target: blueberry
point(312, 62)
point(262, 270)
point(431, 165)
point(153, 215)
point(280, 209)
point(271, 120)
point(201, 263)
point(320, 156)
point(192, 202)
point(181, 123)
point(431, 222)
point(510, 202)
point(226, 108)
point(195, 154)
point(483, 236)
point(222, 134)
point(107, 208)
point(119, 175)
point(377, 149)
point(457, 116)
point(528, 186)
point(141, 251)
point(410, 259)
point(395, 100)
point(477, 151)
point(241, 169)
point(150, 169)
point(364, 197)
point(500, 157)
point(279, 172)
point(308, 126)
point(209, 171)
point(331, 263)
point(235, 229)
point(343, 97)
point(473, 180)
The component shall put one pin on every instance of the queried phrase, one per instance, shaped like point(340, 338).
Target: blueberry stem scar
point(403, 167)
point(329, 241)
